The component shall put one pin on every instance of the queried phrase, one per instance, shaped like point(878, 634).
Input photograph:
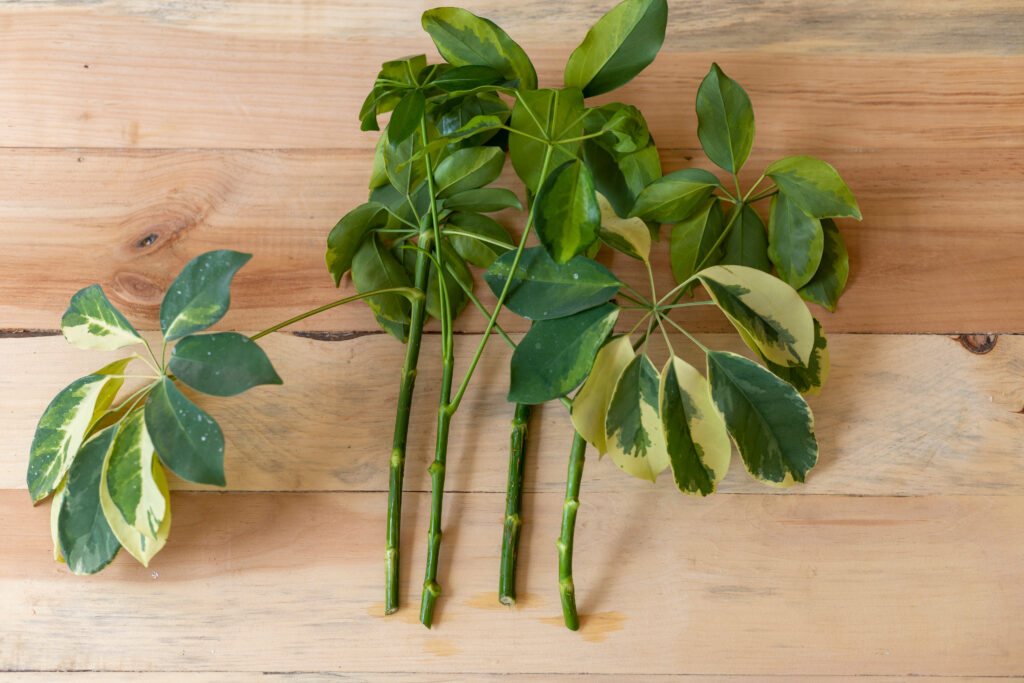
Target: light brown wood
point(144, 214)
point(900, 415)
point(290, 582)
point(264, 75)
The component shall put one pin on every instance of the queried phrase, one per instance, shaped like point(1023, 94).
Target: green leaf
point(55, 505)
point(829, 281)
point(455, 271)
point(141, 546)
point(623, 128)
point(692, 240)
point(403, 171)
point(347, 235)
point(221, 364)
point(128, 477)
point(483, 200)
point(618, 47)
point(556, 355)
point(405, 120)
point(480, 252)
point(465, 39)
point(92, 322)
point(695, 434)
point(675, 197)
point(622, 177)
point(200, 295)
point(747, 242)
point(64, 425)
point(795, 241)
point(771, 424)
point(188, 440)
point(814, 186)
point(467, 169)
point(807, 379)
point(548, 115)
point(628, 235)
point(590, 405)
point(725, 120)
point(476, 126)
point(458, 117)
point(399, 331)
point(566, 215)
point(86, 541)
point(632, 425)
point(469, 77)
point(544, 290)
point(767, 312)
point(374, 267)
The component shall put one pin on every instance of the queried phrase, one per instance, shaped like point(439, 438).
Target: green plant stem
point(431, 588)
point(566, 588)
point(513, 505)
point(400, 436)
point(690, 336)
point(413, 294)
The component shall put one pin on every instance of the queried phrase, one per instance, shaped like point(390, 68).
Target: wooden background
point(136, 135)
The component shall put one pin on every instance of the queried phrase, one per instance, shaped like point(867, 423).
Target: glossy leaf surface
point(829, 281)
point(633, 431)
point(815, 186)
point(747, 242)
point(200, 295)
point(548, 115)
point(92, 322)
point(375, 267)
point(86, 541)
point(694, 242)
point(590, 405)
point(467, 169)
point(676, 196)
point(465, 39)
point(221, 364)
point(187, 440)
point(628, 235)
point(795, 241)
point(566, 214)
point(490, 240)
point(725, 120)
point(348, 234)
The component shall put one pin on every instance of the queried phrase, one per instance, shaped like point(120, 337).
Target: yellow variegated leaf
point(695, 435)
point(55, 503)
point(142, 546)
point(629, 235)
point(633, 432)
point(92, 322)
point(766, 311)
point(591, 402)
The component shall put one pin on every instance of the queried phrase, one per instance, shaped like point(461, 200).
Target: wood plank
point(140, 216)
point(272, 75)
point(900, 415)
point(734, 585)
point(363, 677)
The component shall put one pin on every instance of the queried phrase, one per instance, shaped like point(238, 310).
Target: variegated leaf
point(86, 540)
point(590, 405)
point(92, 322)
point(65, 424)
point(633, 431)
point(768, 312)
point(631, 236)
point(695, 434)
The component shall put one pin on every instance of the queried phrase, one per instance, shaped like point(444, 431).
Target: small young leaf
point(480, 252)
point(64, 425)
point(771, 424)
point(618, 47)
point(725, 120)
point(221, 364)
point(747, 242)
point(467, 169)
point(200, 295)
point(795, 241)
point(128, 482)
point(348, 233)
point(566, 214)
point(695, 435)
point(465, 39)
point(767, 312)
point(590, 405)
point(405, 120)
point(482, 200)
point(628, 235)
point(373, 268)
point(829, 281)
point(633, 432)
point(548, 115)
point(675, 197)
point(814, 186)
point(556, 355)
point(187, 440)
point(92, 322)
point(86, 541)
point(469, 77)
point(692, 240)
point(543, 290)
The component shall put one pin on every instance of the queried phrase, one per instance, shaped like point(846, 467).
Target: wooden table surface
point(135, 135)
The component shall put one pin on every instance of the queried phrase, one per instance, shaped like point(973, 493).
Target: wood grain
point(292, 582)
point(138, 74)
point(900, 415)
point(145, 213)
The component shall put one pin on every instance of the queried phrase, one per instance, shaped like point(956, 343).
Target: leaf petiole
point(410, 293)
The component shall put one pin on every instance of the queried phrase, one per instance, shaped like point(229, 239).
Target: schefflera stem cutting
point(647, 419)
point(105, 461)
